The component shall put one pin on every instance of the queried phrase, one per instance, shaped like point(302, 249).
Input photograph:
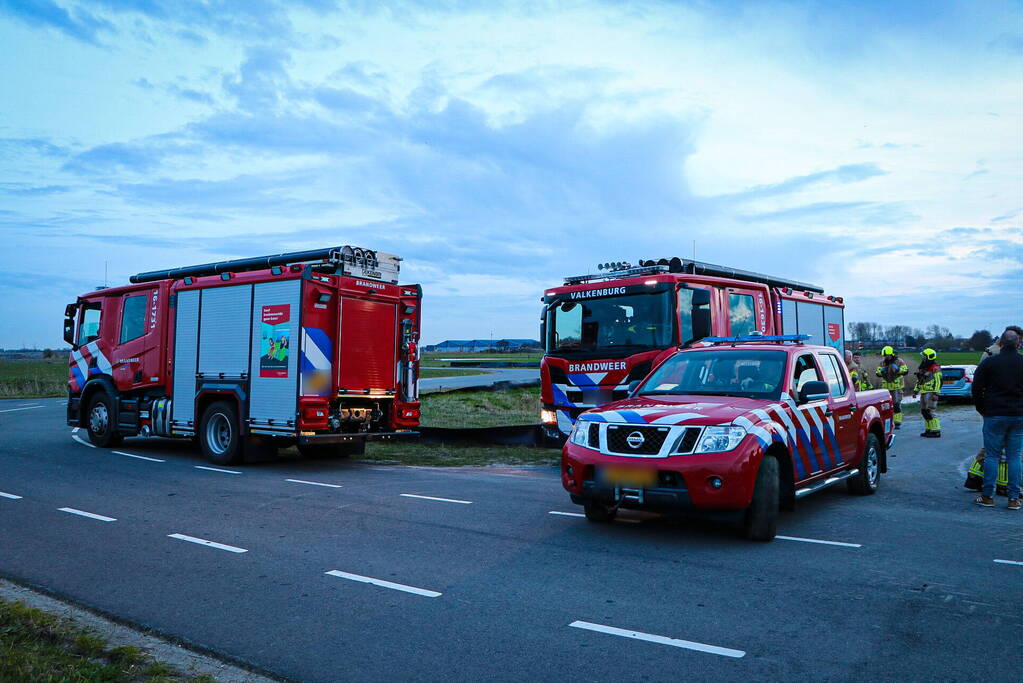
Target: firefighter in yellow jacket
point(892, 372)
point(928, 385)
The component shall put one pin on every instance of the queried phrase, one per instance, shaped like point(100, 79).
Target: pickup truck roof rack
point(758, 339)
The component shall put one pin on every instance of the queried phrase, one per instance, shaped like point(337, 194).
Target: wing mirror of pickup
point(814, 391)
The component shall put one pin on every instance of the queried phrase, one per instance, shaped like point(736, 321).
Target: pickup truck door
point(810, 419)
point(842, 407)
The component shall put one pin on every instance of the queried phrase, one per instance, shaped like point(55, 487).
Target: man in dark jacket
point(998, 395)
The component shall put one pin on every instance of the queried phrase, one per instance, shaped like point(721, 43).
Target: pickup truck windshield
point(724, 372)
point(629, 323)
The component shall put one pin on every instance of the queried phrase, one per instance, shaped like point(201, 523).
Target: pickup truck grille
point(618, 439)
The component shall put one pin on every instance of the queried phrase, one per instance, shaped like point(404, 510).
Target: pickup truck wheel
point(865, 482)
point(100, 421)
point(761, 520)
point(218, 434)
point(595, 512)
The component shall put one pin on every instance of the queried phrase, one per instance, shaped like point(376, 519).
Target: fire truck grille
point(594, 435)
point(626, 439)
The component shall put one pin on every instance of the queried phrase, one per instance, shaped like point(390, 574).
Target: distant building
point(483, 346)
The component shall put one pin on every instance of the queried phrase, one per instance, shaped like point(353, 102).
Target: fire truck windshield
point(614, 325)
point(720, 372)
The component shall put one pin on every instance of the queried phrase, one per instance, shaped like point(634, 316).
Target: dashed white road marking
point(818, 541)
point(443, 500)
point(90, 515)
point(140, 457)
point(565, 514)
point(1009, 562)
point(81, 441)
point(216, 469)
point(209, 544)
point(9, 495)
point(313, 483)
point(661, 640)
point(11, 410)
point(384, 584)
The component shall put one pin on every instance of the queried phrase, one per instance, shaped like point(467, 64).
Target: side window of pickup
point(836, 380)
point(805, 370)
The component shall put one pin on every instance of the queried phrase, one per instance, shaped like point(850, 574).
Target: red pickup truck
point(744, 424)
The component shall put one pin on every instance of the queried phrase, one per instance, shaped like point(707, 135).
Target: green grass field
point(427, 373)
point(33, 378)
point(520, 406)
point(434, 359)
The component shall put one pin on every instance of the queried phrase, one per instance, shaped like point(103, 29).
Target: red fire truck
point(605, 332)
point(316, 348)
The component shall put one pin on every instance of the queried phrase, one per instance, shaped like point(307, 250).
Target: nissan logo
point(635, 439)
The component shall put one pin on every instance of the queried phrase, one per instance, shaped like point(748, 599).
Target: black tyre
point(595, 512)
point(761, 521)
point(218, 434)
point(866, 481)
point(331, 450)
point(100, 421)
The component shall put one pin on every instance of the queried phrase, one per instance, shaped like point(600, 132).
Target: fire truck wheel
point(761, 520)
point(100, 421)
point(218, 434)
point(595, 512)
point(865, 482)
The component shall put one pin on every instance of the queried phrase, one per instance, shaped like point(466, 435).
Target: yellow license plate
point(630, 477)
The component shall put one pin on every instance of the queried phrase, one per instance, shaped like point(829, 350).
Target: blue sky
point(876, 149)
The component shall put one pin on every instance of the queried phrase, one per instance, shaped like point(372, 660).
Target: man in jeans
point(998, 394)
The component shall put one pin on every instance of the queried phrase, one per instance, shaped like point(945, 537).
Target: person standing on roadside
point(928, 385)
point(892, 372)
point(860, 380)
point(998, 395)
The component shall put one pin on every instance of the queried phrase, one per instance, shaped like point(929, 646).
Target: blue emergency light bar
point(754, 338)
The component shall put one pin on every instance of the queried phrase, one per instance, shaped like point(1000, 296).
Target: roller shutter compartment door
point(276, 308)
point(368, 345)
point(224, 332)
point(186, 338)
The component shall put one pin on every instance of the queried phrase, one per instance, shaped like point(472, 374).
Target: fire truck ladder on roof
point(361, 262)
point(616, 270)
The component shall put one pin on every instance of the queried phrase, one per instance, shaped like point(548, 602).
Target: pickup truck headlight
point(580, 435)
point(720, 439)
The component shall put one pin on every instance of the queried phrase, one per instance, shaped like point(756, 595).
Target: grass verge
point(519, 406)
point(37, 646)
point(443, 455)
point(33, 378)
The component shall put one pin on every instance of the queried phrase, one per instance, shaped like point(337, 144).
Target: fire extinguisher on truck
point(604, 333)
point(316, 348)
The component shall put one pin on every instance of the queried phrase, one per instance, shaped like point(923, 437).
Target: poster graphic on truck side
point(275, 339)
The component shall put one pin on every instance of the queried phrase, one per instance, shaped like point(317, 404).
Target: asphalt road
point(489, 585)
point(493, 376)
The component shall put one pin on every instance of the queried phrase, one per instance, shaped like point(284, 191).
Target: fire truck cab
point(316, 348)
point(603, 333)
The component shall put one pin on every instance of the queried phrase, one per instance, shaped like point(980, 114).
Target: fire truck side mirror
point(701, 323)
point(701, 297)
point(70, 311)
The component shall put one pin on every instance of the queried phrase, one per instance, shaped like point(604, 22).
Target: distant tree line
point(934, 336)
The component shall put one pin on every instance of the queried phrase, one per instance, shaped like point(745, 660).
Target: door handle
point(828, 412)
